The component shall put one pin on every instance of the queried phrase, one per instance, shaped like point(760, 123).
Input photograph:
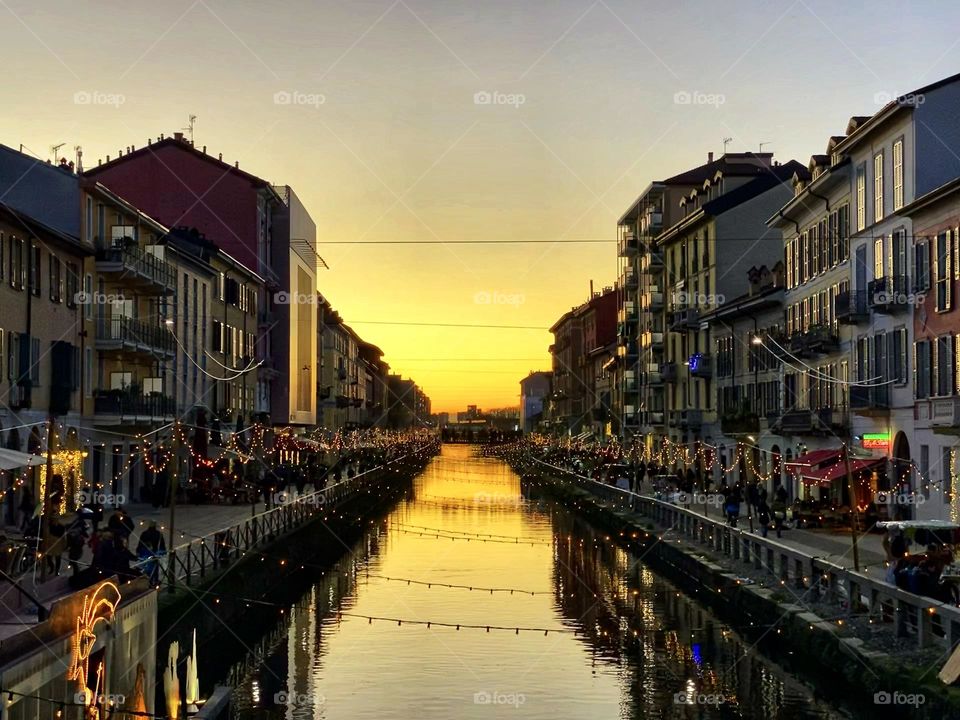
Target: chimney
point(178, 136)
point(204, 149)
point(709, 157)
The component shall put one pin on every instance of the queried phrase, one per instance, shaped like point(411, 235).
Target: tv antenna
point(189, 128)
point(55, 150)
point(726, 141)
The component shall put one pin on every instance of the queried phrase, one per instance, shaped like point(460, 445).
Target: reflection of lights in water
point(255, 692)
point(697, 657)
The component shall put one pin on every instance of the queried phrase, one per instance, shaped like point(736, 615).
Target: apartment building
point(534, 393)
point(638, 393)
point(899, 154)
point(581, 351)
point(935, 217)
point(748, 380)
point(821, 317)
point(706, 254)
point(265, 228)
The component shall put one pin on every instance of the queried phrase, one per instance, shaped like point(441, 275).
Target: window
point(73, 284)
point(878, 258)
point(35, 361)
point(898, 355)
point(898, 174)
point(878, 187)
point(922, 369)
point(217, 339)
point(56, 279)
point(35, 257)
point(16, 262)
point(921, 266)
point(88, 296)
point(861, 197)
point(941, 271)
point(945, 361)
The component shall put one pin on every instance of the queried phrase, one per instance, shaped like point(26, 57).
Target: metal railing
point(925, 619)
point(137, 259)
point(193, 560)
point(135, 332)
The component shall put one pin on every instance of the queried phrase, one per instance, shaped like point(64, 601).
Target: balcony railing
point(685, 319)
point(739, 423)
point(818, 339)
point(131, 258)
point(668, 371)
point(651, 263)
point(889, 294)
point(653, 300)
point(701, 365)
point(630, 279)
point(628, 245)
point(129, 404)
point(945, 414)
point(851, 308)
point(134, 334)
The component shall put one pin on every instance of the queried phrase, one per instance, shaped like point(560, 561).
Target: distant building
point(534, 391)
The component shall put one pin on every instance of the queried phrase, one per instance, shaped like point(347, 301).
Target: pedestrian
point(76, 539)
point(763, 517)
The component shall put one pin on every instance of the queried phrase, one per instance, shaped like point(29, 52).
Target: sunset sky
point(383, 139)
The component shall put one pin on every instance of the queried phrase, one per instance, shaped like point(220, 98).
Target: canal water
point(600, 635)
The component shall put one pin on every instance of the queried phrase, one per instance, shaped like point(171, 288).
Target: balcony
point(128, 264)
point(631, 281)
point(850, 308)
point(651, 375)
point(738, 423)
point(818, 340)
point(668, 371)
point(629, 314)
point(130, 334)
point(652, 222)
point(651, 263)
point(685, 319)
point(691, 420)
point(628, 245)
point(945, 415)
point(631, 417)
point(123, 407)
point(652, 339)
point(825, 421)
point(652, 299)
point(701, 365)
point(870, 401)
point(655, 417)
point(888, 295)
point(630, 383)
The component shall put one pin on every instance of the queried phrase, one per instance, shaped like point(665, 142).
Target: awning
point(13, 459)
point(826, 475)
point(814, 459)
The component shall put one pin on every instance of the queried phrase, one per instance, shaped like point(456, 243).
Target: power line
point(455, 325)
point(587, 241)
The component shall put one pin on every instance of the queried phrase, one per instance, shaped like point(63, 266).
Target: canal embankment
point(860, 641)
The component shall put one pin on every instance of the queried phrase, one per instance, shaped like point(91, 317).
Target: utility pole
point(174, 482)
point(45, 509)
point(854, 514)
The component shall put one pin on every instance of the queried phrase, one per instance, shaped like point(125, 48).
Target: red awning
point(838, 470)
point(814, 459)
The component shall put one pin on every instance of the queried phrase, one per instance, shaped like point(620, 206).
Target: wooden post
point(854, 514)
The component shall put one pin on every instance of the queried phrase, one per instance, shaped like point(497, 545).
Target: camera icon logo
point(482, 98)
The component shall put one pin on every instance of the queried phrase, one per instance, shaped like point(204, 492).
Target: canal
point(578, 628)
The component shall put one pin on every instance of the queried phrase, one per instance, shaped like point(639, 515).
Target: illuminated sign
point(696, 361)
point(876, 441)
point(98, 607)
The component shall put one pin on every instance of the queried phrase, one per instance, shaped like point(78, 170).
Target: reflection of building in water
point(666, 642)
point(95, 643)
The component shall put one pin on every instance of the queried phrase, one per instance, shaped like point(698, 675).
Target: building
point(578, 361)
point(903, 152)
point(374, 370)
point(265, 228)
point(935, 217)
point(408, 406)
point(534, 391)
point(706, 254)
point(748, 380)
point(821, 317)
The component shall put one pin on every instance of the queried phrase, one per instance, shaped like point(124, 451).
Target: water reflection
point(615, 640)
